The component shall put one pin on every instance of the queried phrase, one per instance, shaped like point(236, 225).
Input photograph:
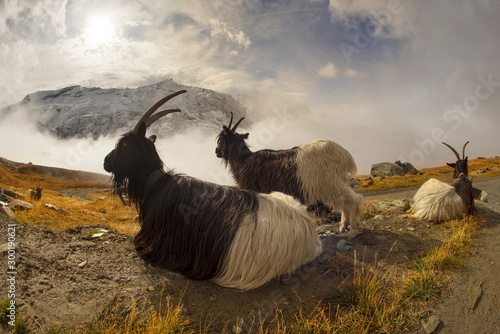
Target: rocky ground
point(67, 277)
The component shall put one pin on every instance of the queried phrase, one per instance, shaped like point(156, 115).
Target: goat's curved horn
point(158, 115)
point(454, 151)
point(463, 150)
point(231, 121)
point(237, 123)
point(147, 116)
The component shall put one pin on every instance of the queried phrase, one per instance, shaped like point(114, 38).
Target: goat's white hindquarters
point(279, 238)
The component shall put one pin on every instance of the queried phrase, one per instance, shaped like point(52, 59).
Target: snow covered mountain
point(94, 112)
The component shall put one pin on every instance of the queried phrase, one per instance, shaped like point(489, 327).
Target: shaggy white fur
point(280, 238)
point(437, 201)
point(324, 169)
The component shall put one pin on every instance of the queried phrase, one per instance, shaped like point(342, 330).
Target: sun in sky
point(99, 31)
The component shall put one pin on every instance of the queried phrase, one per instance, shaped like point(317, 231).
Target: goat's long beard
point(120, 186)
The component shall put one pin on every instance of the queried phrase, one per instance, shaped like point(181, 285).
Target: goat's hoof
point(353, 234)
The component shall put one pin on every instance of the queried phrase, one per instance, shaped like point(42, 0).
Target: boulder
point(354, 183)
point(387, 169)
point(368, 182)
point(408, 167)
point(12, 194)
point(7, 211)
point(18, 205)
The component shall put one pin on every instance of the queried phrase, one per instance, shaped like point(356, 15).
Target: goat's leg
point(350, 205)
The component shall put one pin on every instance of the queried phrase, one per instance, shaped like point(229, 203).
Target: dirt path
point(473, 306)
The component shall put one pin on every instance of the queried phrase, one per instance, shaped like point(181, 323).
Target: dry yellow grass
point(101, 207)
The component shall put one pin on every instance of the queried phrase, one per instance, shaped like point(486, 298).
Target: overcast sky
point(388, 80)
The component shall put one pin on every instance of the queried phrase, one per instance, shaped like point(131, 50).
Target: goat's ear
point(452, 165)
point(152, 138)
point(142, 130)
point(245, 135)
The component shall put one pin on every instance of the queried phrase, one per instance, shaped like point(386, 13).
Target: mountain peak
point(77, 111)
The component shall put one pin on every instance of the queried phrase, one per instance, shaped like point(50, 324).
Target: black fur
point(262, 171)
point(461, 182)
point(187, 225)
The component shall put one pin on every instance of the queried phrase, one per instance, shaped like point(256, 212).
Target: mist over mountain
point(82, 112)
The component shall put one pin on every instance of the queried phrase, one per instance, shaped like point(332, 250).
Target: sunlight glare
point(99, 31)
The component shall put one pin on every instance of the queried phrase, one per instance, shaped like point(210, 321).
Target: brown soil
point(68, 277)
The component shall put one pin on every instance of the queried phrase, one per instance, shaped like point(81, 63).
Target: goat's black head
point(461, 165)
point(229, 138)
point(135, 156)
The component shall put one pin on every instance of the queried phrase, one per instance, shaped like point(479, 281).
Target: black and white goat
point(442, 201)
point(314, 173)
point(236, 238)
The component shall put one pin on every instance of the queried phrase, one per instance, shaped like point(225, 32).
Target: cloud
point(380, 18)
point(411, 61)
point(350, 73)
point(219, 28)
point(328, 71)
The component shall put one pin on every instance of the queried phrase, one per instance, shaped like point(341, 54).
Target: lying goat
point(316, 172)
point(443, 201)
point(234, 237)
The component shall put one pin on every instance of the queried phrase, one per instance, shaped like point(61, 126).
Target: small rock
point(56, 209)
point(212, 299)
point(151, 288)
point(103, 230)
point(411, 229)
point(354, 183)
point(103, 198)
point(123, 279)
point(432, 324)
point(377, 217)
point(97, 235)
point(7, 211)
point(17, 204)
point(343, 245)
point(4, 248)
point(368, 182)
point(82, 264)
point(237, 329)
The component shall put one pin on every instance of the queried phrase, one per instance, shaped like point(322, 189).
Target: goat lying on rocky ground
point(442, 201)
point(237, 238)
point(314, 173)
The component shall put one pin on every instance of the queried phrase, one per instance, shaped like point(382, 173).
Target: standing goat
point(234, 237)
point(314, 173)
point(35, 195)
point(442, 201)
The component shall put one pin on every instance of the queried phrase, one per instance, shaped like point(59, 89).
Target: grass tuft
point(130, 316)
point(338, 267)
